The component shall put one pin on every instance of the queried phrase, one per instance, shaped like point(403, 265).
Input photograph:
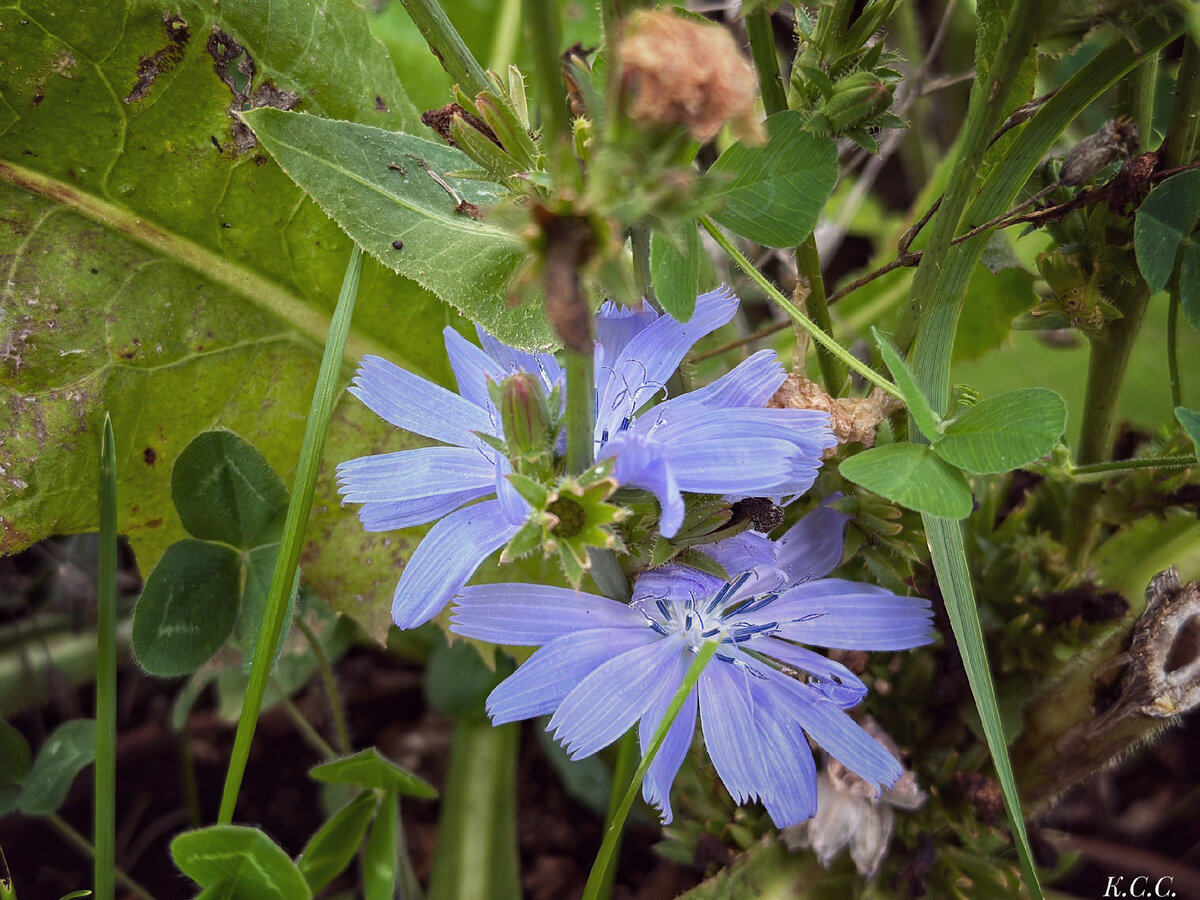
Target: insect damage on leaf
point(236, 68)
point(177, 33)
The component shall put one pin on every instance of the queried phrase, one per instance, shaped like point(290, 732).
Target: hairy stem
point(798, 317)
point(447, 45)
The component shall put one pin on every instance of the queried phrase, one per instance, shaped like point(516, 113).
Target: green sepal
point(532, 492)
point(502, 118)
point(527, 539)
point(497, 164)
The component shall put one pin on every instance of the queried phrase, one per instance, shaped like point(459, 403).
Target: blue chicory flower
point(717, 440)
point(603, 666)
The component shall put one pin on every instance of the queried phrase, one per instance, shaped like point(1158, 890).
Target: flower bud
point(525, 417)
point(856, 98)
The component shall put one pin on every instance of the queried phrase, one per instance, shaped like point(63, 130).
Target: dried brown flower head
point(854, 419)
point(683, 72)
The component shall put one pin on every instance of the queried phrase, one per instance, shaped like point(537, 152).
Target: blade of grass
point(105, 796)
point(612, 835)
point(311, 451)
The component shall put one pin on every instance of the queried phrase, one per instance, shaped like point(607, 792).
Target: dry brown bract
point(682, 72)
point(854, 418)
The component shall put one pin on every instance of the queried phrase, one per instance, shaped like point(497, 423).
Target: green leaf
point(1164, 221)
point(180, 285)
point(913, 476)
point(371, 769)
point(224, 490)
point(380, 859)
point(69, 749)
point(774, 194)
point(918, 406)
point(74, 894)
point(14, 755)
point(1190, 420)
point(1003, 433)
point(1189, 281)
point(675, 270)
point(244, 861)
point(333, 847)
point(187, 608)
point(383, 187)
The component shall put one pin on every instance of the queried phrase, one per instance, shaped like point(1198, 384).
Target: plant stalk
point(798, 317)
point(283, 581)
point(105, 796)
point(331, 686)
point(447, 45)
point(616, 821)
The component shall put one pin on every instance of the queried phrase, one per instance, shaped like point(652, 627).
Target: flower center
point(571, 517)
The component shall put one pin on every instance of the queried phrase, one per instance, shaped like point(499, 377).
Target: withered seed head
point(683, 72)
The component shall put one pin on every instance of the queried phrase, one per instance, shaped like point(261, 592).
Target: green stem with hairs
point(447, 45)
point(1133, 465)
point(581, 412)
point(545, 38)
point(836, 349)
point(766, 60)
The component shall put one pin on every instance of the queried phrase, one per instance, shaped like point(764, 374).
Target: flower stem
point(508, 28)
point(808, 262)
point(1173, 346)
point(808, 267)
point(545, 38)
point(331, 686)
point(800, 318)
point(105, 797)
point(622, 771)
point(581, 414)
point(325, 396)
point(1126, 465)
point(612, 835)
point(447, 44)
point(766, 60)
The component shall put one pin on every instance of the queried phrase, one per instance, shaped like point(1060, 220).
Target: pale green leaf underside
point(157, 268)
point(394, 195)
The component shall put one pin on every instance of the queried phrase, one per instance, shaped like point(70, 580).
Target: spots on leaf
point(149, 456)
point(236, 68)
point(177, 34)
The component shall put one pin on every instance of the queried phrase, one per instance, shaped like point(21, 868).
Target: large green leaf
point(774, 194)
point(913, 476)
point(1001, 433)
point(161, 267)
point(187, 608)
point(247, 863)
point(394, 194)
